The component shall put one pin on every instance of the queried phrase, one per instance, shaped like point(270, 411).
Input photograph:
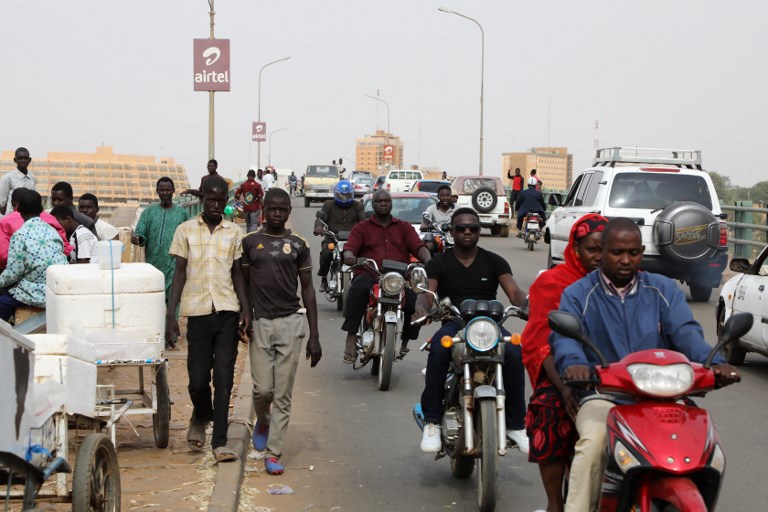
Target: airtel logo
point(388, 149)
point(211, 55)
point(259, 128)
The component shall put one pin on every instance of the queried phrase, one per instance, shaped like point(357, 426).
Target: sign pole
point(211, 144)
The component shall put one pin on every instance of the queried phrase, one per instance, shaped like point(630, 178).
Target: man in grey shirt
point(61, 194)
point(17, 178)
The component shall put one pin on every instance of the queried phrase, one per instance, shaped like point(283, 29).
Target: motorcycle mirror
point(426, 216)
point(735, 327)
point(446, 226)
point(569, 325)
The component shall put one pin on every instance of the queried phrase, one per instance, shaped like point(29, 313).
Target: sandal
point(273, 466)
point(350, 358)
point(224, 454)
point(196, 435)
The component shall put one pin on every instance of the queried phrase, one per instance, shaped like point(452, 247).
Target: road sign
point(211, 64)
point(259, 131)
point(389, 152)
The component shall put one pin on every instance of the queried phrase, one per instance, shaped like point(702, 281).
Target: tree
point(722, 185)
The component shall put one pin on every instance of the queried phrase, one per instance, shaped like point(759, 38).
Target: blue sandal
point(273, 466)
point(260, 437)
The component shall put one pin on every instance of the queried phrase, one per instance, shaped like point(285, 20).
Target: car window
point(572, 193)
point(657, 190)
point(472, 184)
point(578, 199)
point(323, 171)
point(431, 186)
point(594, 185)
point(408, 209)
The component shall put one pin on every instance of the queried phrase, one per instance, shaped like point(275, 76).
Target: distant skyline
point(685, 74)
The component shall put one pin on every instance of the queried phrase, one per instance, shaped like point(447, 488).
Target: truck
point(319, 182)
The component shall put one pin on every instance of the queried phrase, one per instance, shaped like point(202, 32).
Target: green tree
point(722, 185)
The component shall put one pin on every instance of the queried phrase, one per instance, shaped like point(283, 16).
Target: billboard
point(211, 64)
point(389, 152)
point(259, 133)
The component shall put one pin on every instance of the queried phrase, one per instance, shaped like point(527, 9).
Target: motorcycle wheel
point(342, 299)
point(462, 466)
point(530, 245)
point(487, 469)
point(375, 365)
point(387, 357)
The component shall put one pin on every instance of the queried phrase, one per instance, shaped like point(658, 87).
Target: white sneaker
point(430, 441)
point(519, 438)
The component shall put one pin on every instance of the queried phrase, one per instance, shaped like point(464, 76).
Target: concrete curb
point(229, 476)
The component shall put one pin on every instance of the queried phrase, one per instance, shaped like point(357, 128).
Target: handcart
point(35, 432)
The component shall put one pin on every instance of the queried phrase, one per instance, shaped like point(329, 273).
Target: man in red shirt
point(378, 238)
point(517, 186)
point(251, 193)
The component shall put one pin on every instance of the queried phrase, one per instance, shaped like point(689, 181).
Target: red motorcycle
point(664, 453)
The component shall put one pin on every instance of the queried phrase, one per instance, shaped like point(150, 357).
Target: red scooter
point(664, 453)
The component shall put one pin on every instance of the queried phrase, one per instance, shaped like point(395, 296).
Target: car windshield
point(364, 181)
point(408, 209)
point(323, 171)
point(472, 184)
point(655, 191)
point(429, 186)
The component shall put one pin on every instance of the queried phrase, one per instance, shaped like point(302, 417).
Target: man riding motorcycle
point(530, 200)
point(438, 214)
point(340, 214)
point(469, 272)
point(622, 310)
point(378, 238)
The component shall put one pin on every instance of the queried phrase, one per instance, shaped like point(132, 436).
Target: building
point(115, 179)
point(378, 152)
point(554, 166)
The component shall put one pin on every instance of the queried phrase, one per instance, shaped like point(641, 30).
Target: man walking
point(251, 194)
point(209, 283)
point(213, 166)
point(276, 260)
point(17, 178)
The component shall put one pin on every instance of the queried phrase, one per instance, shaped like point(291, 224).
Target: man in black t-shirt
point(469, 272)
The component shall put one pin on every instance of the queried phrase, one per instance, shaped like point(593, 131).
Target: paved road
point(353, 448)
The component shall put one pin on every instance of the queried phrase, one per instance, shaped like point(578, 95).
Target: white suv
point(485, 194)
point(673, 202)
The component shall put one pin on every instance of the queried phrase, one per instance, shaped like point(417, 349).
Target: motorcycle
point(664, 453)
point(474, 424)
point(383, 320)
point(439, 238)
point(339, 275)
point(532, 229)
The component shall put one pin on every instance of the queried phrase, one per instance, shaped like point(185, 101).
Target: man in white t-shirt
point(81, 239)
point(267, 181)
point(88, 205)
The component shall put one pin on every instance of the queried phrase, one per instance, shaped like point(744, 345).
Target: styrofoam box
point(17, 364)
point(118, 345)
point(79, 298)
point(79, 378)
point(62, 345)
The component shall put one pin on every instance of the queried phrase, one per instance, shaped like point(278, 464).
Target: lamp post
point(269, 157)
point(258, 144)
point(387, 104)
point(211, 146)
point(482, 69)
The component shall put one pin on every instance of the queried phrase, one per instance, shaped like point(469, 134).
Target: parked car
point(319, 181)
point(429, 186)
point(378, 183)
point(746, 293)
point(360, 174)
point(673, 202)
point(406, 206)
point(486, 195)
point(401, 180)
point(362, 186)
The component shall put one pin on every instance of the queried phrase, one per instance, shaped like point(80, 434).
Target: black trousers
point(357, 301)
point(326, 257)
point(212, 341)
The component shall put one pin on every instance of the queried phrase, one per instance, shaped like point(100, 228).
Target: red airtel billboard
point(211, 64)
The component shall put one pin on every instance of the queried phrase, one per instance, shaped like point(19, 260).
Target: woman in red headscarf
point(553, 406)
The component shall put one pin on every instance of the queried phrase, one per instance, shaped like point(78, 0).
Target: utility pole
point(211, 145)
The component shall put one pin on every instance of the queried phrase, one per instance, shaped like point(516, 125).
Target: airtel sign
point(211, 64)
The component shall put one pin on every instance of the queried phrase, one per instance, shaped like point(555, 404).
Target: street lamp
point(211, 146)
point(269, 158)
point(482, 69)
point(387, 104)
point(258, 144)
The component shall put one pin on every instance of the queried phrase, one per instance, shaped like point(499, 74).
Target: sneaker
point(323, 286)
point(260, 437)
point(273, 466)
point(519, 438)
point(430, 440)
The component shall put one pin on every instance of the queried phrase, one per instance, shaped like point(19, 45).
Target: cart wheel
point(96, 481)
point(162, 418)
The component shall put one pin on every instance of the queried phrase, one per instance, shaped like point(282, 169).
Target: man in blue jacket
point(530, 200)
point(622, 311)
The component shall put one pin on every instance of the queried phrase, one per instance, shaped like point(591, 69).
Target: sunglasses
point(473, 228)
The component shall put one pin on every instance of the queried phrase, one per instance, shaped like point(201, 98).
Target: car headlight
point(624, 458)
point(669, 380)
point(482, 334)
point(392, 283)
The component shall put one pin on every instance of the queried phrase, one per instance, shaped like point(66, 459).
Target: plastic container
point(110, 254)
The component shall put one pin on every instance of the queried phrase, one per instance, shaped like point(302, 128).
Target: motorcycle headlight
point(718, 459)
point(482, 334)
point(392, 283)
point(624, 458)
point(665, 381)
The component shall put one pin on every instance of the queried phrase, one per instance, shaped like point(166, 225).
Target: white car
point(746, 293)
point(484, 194)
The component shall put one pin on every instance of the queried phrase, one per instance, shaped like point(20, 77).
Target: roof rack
point(680, 157)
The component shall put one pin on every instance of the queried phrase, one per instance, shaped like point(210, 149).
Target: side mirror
point(555, 199)
point(740, 265)
point(566, 324)
point(735, 327)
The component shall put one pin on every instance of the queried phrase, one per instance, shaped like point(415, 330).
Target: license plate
point(533, 225)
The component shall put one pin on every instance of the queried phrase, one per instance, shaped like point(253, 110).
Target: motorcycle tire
point(531, 245)
point(342, 299)
point(387, 357)
point(487, 468)
point(462, 466)
point(375, 363)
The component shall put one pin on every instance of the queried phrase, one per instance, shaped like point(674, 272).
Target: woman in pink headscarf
point(553, 405)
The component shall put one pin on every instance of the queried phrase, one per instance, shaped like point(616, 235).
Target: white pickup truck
point(401, 180)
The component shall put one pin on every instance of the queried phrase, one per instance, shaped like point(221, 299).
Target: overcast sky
point(689, 74)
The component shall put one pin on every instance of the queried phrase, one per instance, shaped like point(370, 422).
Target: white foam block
point(119, 345)
point(78, 377)
point(62, 345)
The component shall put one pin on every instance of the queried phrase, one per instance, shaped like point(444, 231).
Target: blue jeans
point(438, 362)
point(252, 221)
point(8, 306)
